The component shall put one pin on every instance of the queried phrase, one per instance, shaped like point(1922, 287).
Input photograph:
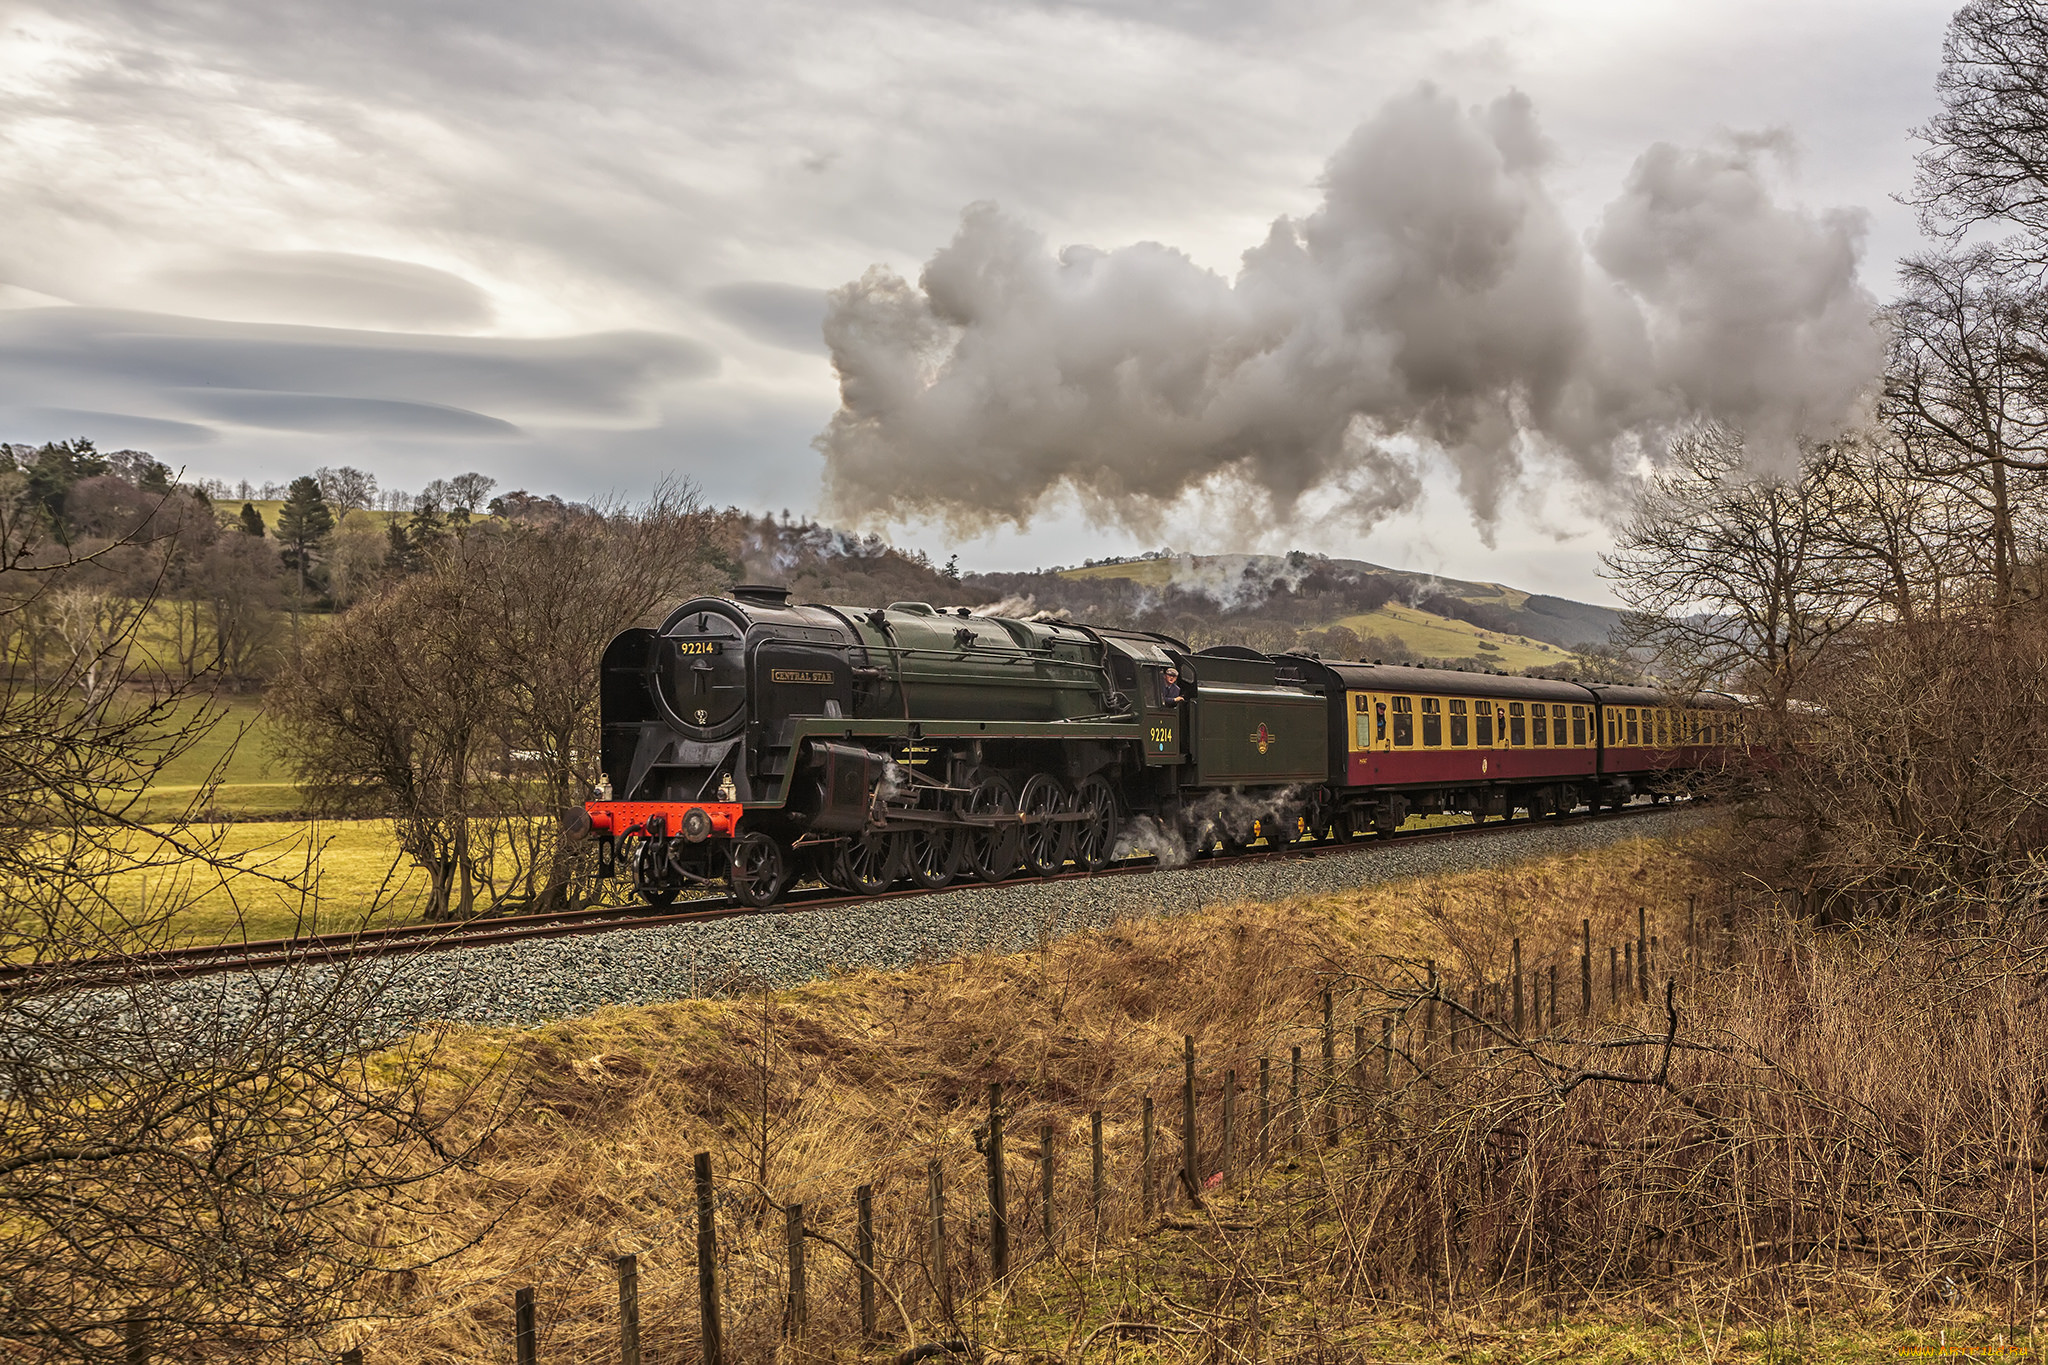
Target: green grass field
point(242, 746)
point(288, 878)
point(1440, 637)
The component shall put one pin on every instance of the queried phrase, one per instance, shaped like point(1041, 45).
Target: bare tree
point(204, 1168)
point(1964, 394)
point(1735, 575)
point(346, 489)
point(463, 700)
point(1987, 153)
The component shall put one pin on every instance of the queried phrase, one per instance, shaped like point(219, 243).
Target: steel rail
point(488, 931)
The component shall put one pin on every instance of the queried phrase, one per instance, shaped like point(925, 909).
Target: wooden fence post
point(998, 1188)
point(1145, 1153)
point(524, 1333)
point(1585, 968)
point(1294, 1102)
point(1552, 1023)
point(1643, 952)
point(1095, 1182)
point(1230, 1123)
point(1045, 1179)
point(864, 1247)
point(799, 1313)
point(1518, 987)
point(628, 1267)
point(1360, 1109)
point(1429, 1012)
point(135, 1338)
point(710, 1327)
point(1329, 1114)
point(1190, 1139)
point(1265, 1110)
point(942, 1285)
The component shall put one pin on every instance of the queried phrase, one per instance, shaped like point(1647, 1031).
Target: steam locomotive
point(756, 742)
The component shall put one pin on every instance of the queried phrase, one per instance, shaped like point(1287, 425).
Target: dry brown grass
point(803, 1095)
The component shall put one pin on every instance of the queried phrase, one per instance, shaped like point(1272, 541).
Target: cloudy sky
point(585, 247)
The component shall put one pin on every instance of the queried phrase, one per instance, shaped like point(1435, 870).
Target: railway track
point(259, 954)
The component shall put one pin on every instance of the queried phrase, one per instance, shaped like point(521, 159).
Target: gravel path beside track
point(526, 983)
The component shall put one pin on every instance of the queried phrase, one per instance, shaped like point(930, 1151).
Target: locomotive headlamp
point(696, 825)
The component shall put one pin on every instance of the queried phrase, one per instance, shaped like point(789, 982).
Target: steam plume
point(1435, 304)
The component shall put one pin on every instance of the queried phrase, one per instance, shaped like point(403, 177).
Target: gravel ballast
point(537, 980)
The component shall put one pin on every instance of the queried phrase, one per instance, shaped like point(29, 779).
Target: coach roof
point(1447, 682)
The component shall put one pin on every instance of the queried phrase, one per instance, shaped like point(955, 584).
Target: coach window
point(1663, 729)
point(1614, 727)
point(1578, 725)
point(1482, 722)
point(1432, 723)
point(1631, 736)
point(1404, 721)
point(1518, 728)
point(1539, 716)
point(1461, 728)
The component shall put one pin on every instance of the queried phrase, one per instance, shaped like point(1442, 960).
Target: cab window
point(1518, 732)
point(1432, 723)
point(1461, 729)
point(1539, 724)
point(1404, 721)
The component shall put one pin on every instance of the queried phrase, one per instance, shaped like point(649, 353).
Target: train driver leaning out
point(1172, 687)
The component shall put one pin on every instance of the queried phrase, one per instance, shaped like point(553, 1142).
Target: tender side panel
point(1251, 736)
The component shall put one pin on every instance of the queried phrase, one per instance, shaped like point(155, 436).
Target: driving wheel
point(933, 856)
point(992, 849)
point(1045, 838)
point(866, 864)
point(1095, 836)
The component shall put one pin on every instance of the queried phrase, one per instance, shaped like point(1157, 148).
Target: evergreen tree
point(398, 560)
point(427, 531)
point(252, 520)
point(302, 523)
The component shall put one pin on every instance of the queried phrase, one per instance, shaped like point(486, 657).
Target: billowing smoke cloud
point(1436, 305)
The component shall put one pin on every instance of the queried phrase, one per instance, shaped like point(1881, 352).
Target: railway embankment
point(537, 980)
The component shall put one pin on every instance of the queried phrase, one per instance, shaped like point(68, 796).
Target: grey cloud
point(329, 287)
point(786, 315)
point(316, 412)
point(602, 377)
point(1434, 301)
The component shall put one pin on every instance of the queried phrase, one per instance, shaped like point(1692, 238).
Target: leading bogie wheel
point(1043, 799)
point(760, 870)
point(650, 864)
point(1094, 841)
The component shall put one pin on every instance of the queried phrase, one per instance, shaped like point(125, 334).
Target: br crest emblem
point(1263, 737)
